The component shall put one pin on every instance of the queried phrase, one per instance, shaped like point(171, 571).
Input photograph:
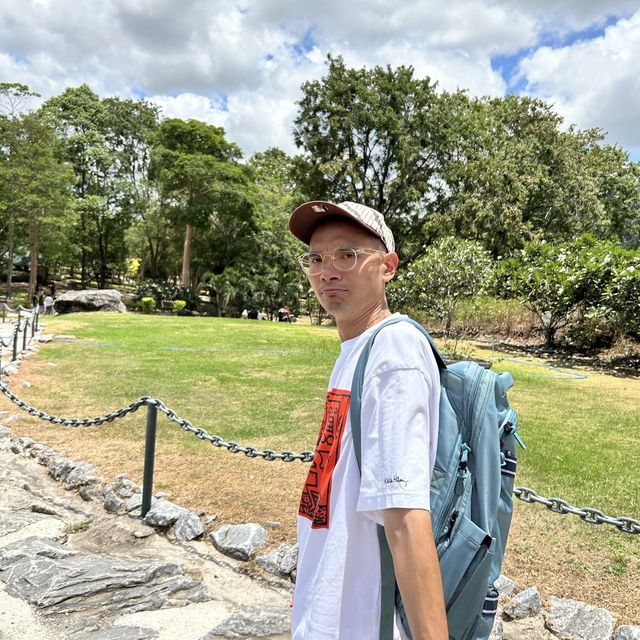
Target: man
point(351, 258)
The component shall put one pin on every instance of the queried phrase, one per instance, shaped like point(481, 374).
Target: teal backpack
point(471, 492)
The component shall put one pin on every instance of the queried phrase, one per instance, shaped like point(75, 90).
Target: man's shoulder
point(401, 345)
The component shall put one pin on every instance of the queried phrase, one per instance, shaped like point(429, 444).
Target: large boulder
point(90, 300)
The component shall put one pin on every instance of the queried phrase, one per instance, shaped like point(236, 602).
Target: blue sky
point(240, 63)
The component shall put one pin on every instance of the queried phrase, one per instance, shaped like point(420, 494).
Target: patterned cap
point(307, 216)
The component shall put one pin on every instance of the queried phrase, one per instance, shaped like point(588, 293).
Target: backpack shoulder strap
point(358, 378)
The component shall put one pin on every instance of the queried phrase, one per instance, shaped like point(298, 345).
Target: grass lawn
point(264, 384)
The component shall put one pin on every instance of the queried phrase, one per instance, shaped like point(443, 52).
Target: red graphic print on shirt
point(316, 495)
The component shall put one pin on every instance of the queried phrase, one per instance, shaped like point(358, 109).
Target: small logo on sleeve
point(396, 480)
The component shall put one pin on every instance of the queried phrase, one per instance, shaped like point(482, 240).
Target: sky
point(240, 64)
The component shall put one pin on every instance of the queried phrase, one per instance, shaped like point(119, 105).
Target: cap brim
point(307, 217)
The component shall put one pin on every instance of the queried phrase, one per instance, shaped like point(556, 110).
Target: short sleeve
point(399, 428)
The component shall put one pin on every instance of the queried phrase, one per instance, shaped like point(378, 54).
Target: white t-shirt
point(337, 593)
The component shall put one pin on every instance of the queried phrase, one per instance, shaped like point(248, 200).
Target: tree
point(107, 142)
point(447, 272)
point(36, 187)
point(374, 136)
point(199, 177)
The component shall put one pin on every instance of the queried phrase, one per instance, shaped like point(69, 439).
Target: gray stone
point(44, 509)
point(524, 605)
point(281, 561)
point(81, 474)
point(14, 417)
point(572, 619)
point(272, 524)
point(526, 629)
point(113, 504)
point(163, 513)
point(497, 629)
point(188, 527)
point(627, 632)
point(26, 442)
point(96, 585)
point(5, 432)
point(26, 385)
point(45, 337)
point(505, 586)
point(11, 521)
point(32, 547)
point(90, 300)
point(239, 541)
point(118, 633)
point(134, 505)
point(254, 622)
point(60, 469)
point(9, 369)
point(89, 491)
point(289, 560)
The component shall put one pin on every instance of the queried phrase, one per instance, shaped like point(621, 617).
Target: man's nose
point(329, 271)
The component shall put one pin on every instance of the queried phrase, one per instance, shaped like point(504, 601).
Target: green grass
point(245, 380)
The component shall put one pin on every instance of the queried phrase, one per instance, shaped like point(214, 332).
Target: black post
point(24, 335)
point(15, 342)
point(149, 455)
point(37, 317)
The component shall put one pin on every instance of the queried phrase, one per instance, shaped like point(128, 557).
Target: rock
point(271, 524)
point(163, 513)
point(90, 300)
point(81, 474)
point(627, 632)
point(253, 623)
point(32, 547)
point(526, 629)
point(497, 629)
point(26, 385)
point(26, 442)
point(281, 561)
point(88, 491)
point(188, 527)
point(505, 586)
point(60, 469)
point(9, 369)
point(524, 605)
point(112, 504)
point(5, 432)
point(45, 337)
point(239, 541)
point(572, 619)
point(14, 417)
point(44, 509)
point(95, 585)
point(118, 633)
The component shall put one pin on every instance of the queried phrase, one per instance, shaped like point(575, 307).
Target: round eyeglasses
point(343, 259)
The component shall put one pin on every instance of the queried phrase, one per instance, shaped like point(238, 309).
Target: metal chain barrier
point(592, 516)
point(556, 505)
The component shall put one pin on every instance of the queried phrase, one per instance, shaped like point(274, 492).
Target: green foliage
point(163, 292)
point(372, 136)
point(147, 305)
point(179, 305)
point(435, 283)
point(594, 285)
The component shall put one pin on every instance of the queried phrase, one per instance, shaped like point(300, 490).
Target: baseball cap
point(307, 216)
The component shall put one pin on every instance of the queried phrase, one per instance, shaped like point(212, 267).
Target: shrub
point(436, 282)
point(179, 305)
point(147, 305)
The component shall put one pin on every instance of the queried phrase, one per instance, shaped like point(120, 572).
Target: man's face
point(350, 295)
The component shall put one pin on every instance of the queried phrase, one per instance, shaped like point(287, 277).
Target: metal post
point(15, 342)
point(24, 335)
point(37, 317)
point(33, 324)
point(149, 455)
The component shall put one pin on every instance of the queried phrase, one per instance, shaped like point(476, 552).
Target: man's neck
point(354, 327)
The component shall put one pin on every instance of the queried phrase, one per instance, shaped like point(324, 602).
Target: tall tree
point(208, 189)
point(107, 142)
point(37, 186)
point(371, 135)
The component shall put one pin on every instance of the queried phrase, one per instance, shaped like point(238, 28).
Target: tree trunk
point(186, 257)
point(10, 255)
point(33, 264)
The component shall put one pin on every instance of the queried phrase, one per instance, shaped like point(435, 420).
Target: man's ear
point(390, 262)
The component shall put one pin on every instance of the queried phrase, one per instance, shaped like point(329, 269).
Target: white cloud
point(192, 56)
point(594, 83)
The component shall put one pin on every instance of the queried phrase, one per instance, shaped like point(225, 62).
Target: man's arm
point(417, 570)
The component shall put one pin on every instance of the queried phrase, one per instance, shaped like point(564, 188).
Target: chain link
point(592, 516)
